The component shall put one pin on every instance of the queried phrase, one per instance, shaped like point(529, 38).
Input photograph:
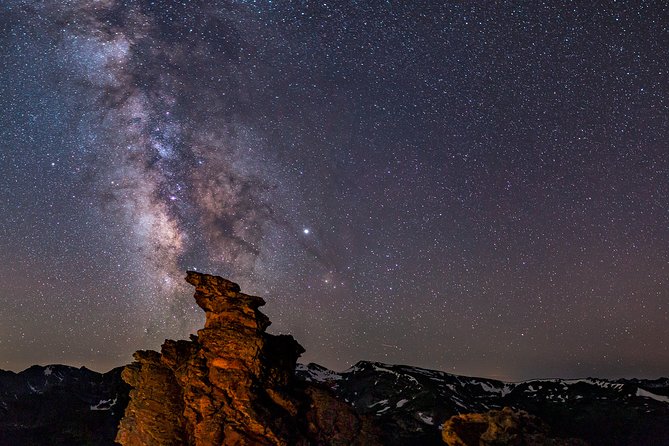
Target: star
point(413, 171)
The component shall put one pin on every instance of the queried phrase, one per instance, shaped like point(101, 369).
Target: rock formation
point(500, 427)
point(232, 384)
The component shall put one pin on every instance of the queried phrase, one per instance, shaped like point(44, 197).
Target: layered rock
point(497, 427)
point(232, 384)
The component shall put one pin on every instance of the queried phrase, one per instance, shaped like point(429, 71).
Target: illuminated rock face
point(232, 384)
point(500, 427)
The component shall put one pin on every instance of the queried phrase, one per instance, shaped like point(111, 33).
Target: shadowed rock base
point(232, 384)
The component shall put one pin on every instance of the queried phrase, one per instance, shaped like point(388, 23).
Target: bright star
point(306, 231)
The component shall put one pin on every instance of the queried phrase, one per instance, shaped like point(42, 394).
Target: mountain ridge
point(480, 394)
point(415, 399)
point(235, 384)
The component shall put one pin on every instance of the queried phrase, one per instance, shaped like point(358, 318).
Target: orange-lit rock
point(232, 384)
point(500, 427)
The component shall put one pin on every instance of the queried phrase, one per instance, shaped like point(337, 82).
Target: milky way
point(181, 173)
point(482, 189)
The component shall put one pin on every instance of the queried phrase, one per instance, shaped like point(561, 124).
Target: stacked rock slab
point(232, 384)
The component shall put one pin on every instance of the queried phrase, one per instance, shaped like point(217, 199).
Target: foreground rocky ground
point(234, 383)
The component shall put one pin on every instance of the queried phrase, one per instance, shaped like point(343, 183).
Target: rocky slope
point(413, 403)
point(60, 406)
point(70, 406)
point(234, 383)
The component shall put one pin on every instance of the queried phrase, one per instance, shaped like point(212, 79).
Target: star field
point(477, 188)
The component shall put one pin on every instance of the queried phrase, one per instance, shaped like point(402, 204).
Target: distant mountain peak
point(234, 383)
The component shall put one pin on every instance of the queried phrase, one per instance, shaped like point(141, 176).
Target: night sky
point(476, 187)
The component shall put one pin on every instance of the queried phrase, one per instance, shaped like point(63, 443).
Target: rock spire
point(232, 384)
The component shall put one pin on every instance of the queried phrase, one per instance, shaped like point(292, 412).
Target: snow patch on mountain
point(315, 373)
point(425, 418)
point(34, 389)
point(646, 394)
point(378, 403)
point(104, 404)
